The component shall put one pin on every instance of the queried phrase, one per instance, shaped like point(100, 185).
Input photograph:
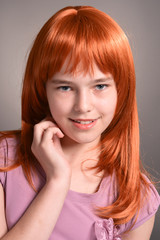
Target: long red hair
point(86, 35)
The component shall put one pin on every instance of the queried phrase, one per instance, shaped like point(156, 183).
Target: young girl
point(73, 171)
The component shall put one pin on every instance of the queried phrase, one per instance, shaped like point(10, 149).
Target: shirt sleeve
point(3, 159)
point(149, 207)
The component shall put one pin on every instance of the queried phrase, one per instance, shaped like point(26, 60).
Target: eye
point(64, 88)
point(101, 86)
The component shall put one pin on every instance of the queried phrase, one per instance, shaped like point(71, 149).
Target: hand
point(47, 149)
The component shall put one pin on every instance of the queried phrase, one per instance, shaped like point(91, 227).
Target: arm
point(3, 225)
point(41, 216)
point(143, 232)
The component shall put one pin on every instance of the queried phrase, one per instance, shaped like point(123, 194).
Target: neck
point(78, 152)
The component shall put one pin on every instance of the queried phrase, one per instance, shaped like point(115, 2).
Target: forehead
point(93, 73)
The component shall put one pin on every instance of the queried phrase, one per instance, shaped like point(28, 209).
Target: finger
point(50, 132)
point(39, 130)
point(50, 118)
point(60, 134)
point(47, 124)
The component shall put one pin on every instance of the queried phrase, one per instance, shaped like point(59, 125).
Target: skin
point(143, 232)
point(84, 97)
point(60, 148)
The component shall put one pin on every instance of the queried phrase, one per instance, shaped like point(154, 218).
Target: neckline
point(86, 197)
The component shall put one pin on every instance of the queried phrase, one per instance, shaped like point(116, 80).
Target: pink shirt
point(77, 219)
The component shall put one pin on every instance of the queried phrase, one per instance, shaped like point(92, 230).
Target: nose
point(83, 102)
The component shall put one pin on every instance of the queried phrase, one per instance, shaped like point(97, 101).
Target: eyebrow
point(99, 80)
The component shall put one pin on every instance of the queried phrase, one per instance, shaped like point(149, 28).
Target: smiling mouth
point(84, 124)
point(84, 121)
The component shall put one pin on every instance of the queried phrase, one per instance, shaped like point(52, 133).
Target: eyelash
point(104, 86)
point(65, 88)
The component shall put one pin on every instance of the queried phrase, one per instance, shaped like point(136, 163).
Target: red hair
point(86, 36)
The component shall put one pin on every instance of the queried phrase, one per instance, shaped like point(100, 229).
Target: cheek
point(108, 105)
point(113, 104)
point(53, 105)
point(57, 108)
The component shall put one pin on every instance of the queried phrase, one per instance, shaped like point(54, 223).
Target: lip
point(85, 126)
point(84, 119)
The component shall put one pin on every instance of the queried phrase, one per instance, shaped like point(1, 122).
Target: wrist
point(62, 180)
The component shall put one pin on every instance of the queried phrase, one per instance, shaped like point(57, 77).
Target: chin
point(85, 139)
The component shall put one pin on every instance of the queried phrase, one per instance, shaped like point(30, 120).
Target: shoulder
point(142, 223)
point(149, 206)
point(8, 149)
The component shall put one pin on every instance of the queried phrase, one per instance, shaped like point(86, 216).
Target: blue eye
point(101, 86)
point(64, 88)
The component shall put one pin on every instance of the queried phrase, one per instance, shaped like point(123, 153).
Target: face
point(82, 105)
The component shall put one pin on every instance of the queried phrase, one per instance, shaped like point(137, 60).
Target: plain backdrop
point(20, 21)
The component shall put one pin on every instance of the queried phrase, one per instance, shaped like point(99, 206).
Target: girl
point(73, 170)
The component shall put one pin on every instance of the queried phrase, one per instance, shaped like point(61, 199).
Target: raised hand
point(47, 149)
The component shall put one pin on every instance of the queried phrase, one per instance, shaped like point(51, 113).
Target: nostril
point(83, 103)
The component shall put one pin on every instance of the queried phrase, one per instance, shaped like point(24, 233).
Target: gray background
point(21, 20)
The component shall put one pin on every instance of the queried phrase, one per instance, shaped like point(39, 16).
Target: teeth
point(83, 122)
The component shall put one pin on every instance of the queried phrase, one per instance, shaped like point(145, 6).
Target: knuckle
point(33, 146)
point(36, 126)
point(33, 149)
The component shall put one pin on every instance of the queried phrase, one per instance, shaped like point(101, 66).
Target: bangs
point(83, 37)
